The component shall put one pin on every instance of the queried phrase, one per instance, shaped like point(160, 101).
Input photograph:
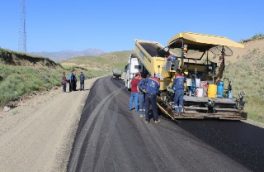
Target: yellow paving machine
point(201, 58)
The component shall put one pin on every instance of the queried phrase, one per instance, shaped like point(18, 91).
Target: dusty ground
point(38, 135)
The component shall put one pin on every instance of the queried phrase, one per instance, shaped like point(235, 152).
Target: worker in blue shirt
point(178, 87)
point(152, 89)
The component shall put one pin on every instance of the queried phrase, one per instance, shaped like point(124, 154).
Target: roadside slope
point(251, 45)
point(246, 74)
point(38, 135)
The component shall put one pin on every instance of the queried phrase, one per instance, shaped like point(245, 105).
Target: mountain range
point(67, 54)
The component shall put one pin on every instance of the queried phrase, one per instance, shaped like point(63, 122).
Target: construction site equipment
point(133, 67)
point(117, 73)
point(191, 53)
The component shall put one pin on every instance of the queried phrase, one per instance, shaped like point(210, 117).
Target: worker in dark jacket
point(178, 87)
point(73, 81)
point(64, 82)
point(141, 96)
point(69, 81)
point(82, 78)
point(152, 89)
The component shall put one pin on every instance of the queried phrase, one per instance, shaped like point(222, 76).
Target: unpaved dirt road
point(38, 135)
point(112, 139)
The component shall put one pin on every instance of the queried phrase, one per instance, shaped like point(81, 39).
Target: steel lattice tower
point(22, 43)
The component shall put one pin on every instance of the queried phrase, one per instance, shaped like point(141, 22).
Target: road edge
point(64, 149)
point(255, 123)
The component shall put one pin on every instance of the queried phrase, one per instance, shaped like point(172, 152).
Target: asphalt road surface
point(111, 138)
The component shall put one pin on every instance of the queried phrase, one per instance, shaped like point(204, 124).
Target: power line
point(22, 42)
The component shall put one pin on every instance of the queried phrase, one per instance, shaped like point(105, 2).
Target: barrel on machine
point(220, 89)
point(212, 90)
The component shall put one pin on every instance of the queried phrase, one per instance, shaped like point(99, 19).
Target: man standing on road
point(73, 81)
point(133, 101)
point(82, 78)
point(64, 82)
point(69, 81)
point(152, 89)
point(141, 96)
point(178, 87)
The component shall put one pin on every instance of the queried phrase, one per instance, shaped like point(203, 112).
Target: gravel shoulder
point(38, 135)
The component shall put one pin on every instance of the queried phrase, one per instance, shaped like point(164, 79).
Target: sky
point(113, 25)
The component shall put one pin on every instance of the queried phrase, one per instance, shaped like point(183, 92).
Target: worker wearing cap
point(178, 87)
point(152, 89)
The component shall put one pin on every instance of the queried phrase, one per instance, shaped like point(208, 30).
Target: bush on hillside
point(254, 37)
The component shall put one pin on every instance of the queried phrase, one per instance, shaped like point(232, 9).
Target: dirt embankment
point(38, 135)
point(20, 59)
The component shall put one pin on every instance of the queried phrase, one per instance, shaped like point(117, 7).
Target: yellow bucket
point(212, 90)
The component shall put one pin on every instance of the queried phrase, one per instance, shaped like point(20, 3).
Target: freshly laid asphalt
point(112, 138)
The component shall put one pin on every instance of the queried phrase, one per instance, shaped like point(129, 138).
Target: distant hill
point(105, 62)
point(64, 55)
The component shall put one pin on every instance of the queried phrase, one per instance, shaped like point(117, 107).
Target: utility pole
point(22, 42)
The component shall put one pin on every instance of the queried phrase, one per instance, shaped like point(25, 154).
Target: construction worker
point(82, 78)
point(152, 89)
point(73, 81)
point(178, 88)
point(69, 81)
point(133, 101)
point(63, 82)
point(141, 95)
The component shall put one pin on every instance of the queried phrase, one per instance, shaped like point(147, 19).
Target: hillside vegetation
point(22, 74)
point(247, 75)
point(19, 80)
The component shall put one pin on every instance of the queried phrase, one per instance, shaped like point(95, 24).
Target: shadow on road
point(240, 141)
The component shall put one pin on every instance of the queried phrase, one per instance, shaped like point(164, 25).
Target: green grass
point(247, 75)
point(19, 80)
point(16, 81)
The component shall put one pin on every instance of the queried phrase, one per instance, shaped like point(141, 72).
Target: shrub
point(20, 80)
